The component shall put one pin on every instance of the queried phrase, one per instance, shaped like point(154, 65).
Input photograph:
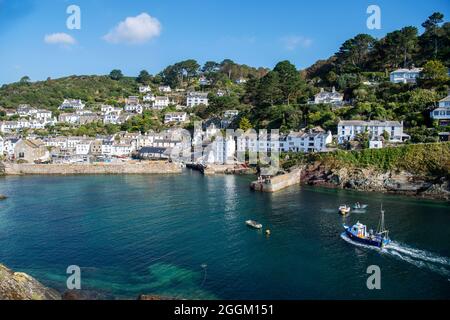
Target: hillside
point(49, 94)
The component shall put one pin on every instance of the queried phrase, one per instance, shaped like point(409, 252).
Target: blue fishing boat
point(359, 233)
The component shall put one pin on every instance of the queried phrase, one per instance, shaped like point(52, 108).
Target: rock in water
point(21, 286)
point(2, 197)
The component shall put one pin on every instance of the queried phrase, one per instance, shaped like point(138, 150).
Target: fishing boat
point(359, 233)
point(359, 206)
point(344, 209)
point(253, 224)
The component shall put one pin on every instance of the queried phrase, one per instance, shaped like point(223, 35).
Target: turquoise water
point(185, 236)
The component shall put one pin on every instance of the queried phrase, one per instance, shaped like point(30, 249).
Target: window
point(21, 155)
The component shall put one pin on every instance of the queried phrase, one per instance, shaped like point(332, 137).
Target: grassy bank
point(425, 159)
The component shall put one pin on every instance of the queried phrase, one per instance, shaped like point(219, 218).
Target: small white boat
point(360, 206)
point(253, 224)
point(344, 209)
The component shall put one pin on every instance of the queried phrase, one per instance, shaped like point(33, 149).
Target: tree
point(210, 67)
point(353, 53)
point(430, 38)
point(144, 77)
point(25, 79)
point(116, 74)
point(268, 92)
point(433, 73)
point(289, 80)
point(245, 124)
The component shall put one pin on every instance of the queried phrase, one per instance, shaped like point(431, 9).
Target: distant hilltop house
point(204, 81)
point(74, 104)
point(145, 89)
point(333, 97)
point(442, 113)
point(241, 81)
point(349, 129)
point(165, 89)
point(314, 140)
point(31, 151)
point(175, 117)
point(405, 75)
point(196, 98)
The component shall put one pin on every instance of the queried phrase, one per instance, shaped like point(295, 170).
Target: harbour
point(193, 243)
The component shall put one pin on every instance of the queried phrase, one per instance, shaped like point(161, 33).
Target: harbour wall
point(278, 183)
point(144, 167)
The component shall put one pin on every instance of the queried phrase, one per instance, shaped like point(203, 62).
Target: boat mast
point(381, 228)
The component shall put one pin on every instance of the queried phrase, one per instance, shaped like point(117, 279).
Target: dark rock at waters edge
point(21, 286)
point(367, 179)
point(86, 295)
point(3, 197)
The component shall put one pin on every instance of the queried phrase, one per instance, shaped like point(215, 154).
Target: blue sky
point(257, 33)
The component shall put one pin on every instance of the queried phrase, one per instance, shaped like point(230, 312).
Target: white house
point(196, 98)
point(112, 117)
point(9, 144)
point(241, 81)
point(221, 151)
point(253, 142)
point(75, 104)
point(161, 102)
point(83, 147)
point(69, 118)
point(145, 89)
point(405, 75)
point(306, 141)
point(348, 130)
point(1, 145)
point(165, 89)
point(149, 98)
point(134, 108)
point(175, 117)
point(326, 97)
point(25, 110)
point(45, 115)
point(442, 113)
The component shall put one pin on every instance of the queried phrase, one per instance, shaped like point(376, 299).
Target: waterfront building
point(197, 98)
point(315, 140)
point(221, 151)
point(31, 151)
point(154, 153)
point(405, 75)
point(349, 129)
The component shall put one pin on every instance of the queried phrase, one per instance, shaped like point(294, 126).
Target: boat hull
point(376, 242)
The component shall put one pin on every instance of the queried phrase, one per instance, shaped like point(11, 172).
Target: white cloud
point(135, 30)
point(59, 38)
point(292, 42)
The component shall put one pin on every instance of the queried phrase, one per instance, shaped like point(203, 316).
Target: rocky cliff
point(372, 179)
point(20, 286)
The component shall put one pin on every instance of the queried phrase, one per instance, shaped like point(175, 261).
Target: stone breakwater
point(278, 183)
point(147, 167)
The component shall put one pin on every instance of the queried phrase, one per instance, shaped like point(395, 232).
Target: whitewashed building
point(405, 75)
point(442, 113)
point(221, 151)
point(348, 130)
point(177, 117)
point(197, 98)
point(306, 141)
point(75, 104)
point(165, 89)
point(134, 108)
point(325, 97)
point(161, 102)
point(145, 89)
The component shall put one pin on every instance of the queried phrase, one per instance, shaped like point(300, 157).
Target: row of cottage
point(176, 141)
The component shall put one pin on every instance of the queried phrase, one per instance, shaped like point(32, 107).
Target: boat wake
point(416, 257)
